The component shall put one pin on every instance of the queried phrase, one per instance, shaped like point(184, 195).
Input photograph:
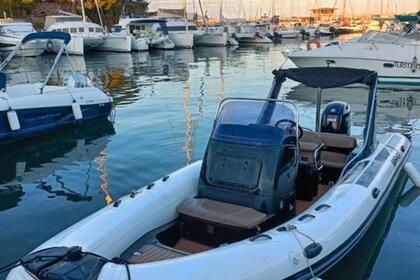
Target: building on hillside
point(323, 14)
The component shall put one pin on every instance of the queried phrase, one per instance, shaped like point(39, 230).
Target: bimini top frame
point(333, 77)
point(53, 35)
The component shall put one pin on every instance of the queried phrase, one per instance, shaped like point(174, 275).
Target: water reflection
point(395, 111)
point(39, 161)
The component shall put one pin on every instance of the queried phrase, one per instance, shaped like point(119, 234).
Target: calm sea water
point(165, 102)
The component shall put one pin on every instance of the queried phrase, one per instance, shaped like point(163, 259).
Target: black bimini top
point(328, 77)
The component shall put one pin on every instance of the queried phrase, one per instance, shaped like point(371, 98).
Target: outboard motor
point(251, 158)
point(336, 118)
point(76, 80)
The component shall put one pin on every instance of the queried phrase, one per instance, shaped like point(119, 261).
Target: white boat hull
point(139, 44)
point(161, 43)
point(276, 255)
point(210, 39)
point(288, 34)
point(393, 63)
point(184, 40)
point(116, 43)
point(8, 44)
point(252, 39)
point(78, 45)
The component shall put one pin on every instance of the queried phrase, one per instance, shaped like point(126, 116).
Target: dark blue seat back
point(2, 81)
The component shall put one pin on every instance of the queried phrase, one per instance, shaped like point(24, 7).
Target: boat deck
point(155, 251)
point(302, 205)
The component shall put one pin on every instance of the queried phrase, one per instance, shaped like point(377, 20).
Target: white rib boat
point(12, 33)
point(270, 200)
point(395, 58)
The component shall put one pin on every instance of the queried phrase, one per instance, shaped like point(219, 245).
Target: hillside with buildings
point(36, 10)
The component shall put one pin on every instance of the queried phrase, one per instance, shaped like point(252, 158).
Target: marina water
point(165, 102)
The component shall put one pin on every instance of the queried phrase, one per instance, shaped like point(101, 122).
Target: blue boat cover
point(47, 35)
point(328, 77)
point(2, 81)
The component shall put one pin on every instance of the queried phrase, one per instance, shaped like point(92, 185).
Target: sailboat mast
point(99, 14)
point(202, 14)
point(83, 11)
point(221, 12)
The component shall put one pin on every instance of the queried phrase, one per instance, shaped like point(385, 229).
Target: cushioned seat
point(335, 151)
point(309, 144)
point(221, 213)
point(340, 141)
point(333, 160)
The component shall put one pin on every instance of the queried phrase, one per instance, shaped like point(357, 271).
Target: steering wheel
point(292, 123)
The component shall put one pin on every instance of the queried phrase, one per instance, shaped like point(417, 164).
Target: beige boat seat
point(335, 148)
point(310, 144)
point(221, 213)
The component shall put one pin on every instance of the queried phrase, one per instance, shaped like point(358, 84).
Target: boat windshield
point(17, 29)
point(260, 122)
point(382, 37)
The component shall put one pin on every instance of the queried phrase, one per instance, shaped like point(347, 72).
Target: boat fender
point(314, 41)
point(150, 186)
point(164, 179)
point(414, 64)
point(13, 119)
point(313, 250)
point(77, 111)
point(412, 173)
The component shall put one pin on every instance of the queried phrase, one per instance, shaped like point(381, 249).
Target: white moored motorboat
point(28, 109)
point(11, 33)
point(253, 208)
point(287, 33)
point(181, 32)
point(152, 30)
point(395, 58)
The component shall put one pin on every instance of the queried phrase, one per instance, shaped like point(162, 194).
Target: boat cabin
point(143, 26)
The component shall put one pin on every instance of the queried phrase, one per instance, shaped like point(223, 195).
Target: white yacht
point(395, 58)
point(250, 34)
point(153, 30)
point(287, 33)
point(84, 35)
point(12, 33)
point(181, 32)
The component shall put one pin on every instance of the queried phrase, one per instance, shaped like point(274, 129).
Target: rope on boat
point(293, 230)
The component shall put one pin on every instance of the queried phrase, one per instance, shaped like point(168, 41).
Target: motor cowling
point(76, 80)
point(336, 118)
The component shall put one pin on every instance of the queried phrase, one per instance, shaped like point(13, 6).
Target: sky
point(253, 8)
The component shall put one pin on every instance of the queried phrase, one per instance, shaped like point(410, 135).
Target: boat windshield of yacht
point(18, 29)
point(385, 38)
